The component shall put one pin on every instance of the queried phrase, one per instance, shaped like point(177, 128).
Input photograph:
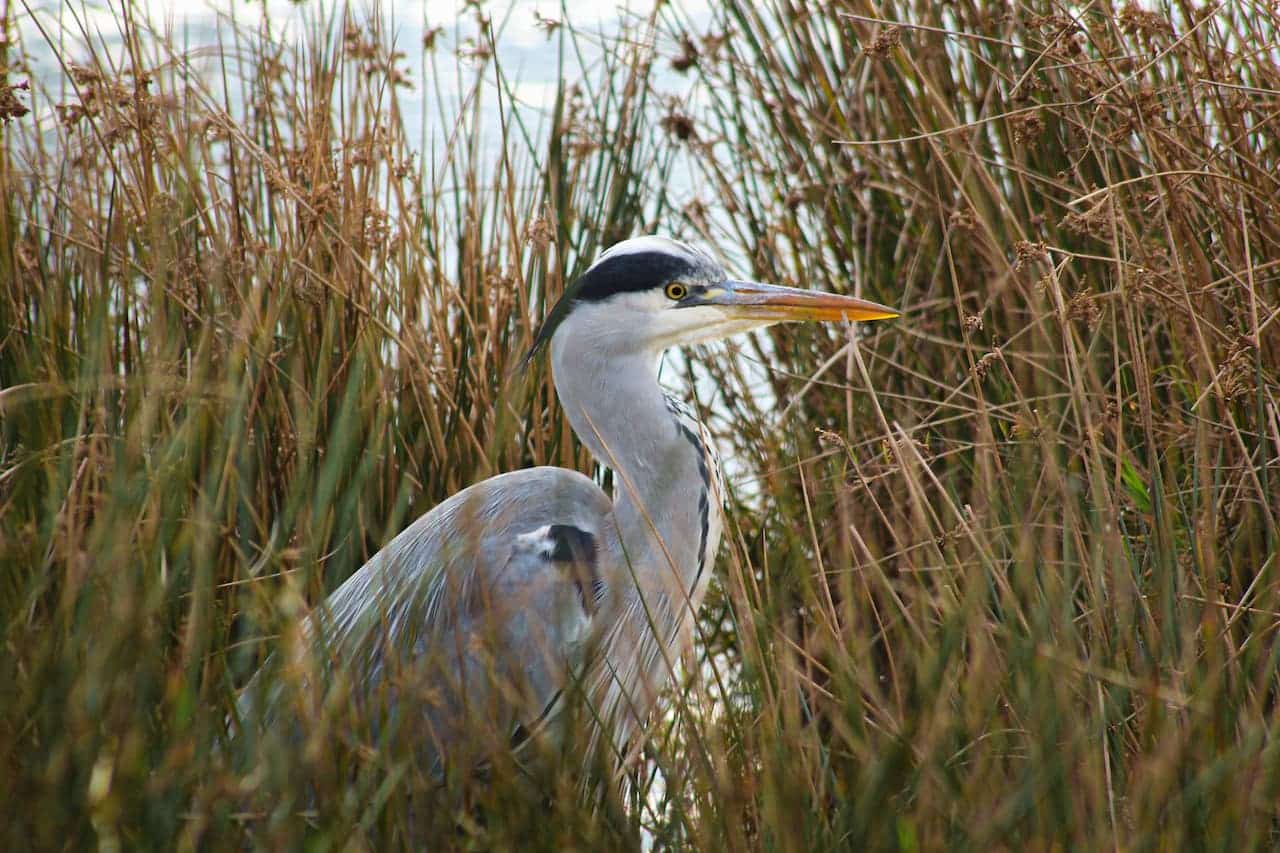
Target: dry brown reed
point(1000, 574)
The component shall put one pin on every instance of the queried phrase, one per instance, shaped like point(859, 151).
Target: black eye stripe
point(630, 272)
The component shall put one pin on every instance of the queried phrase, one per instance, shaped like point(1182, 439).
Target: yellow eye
point(677, 291)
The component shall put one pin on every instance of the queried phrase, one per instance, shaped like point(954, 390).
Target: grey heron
point(476, 618)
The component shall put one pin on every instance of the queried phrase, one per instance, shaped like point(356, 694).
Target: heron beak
point(771, 302)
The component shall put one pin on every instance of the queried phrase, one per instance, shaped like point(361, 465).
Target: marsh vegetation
point(1001, 573)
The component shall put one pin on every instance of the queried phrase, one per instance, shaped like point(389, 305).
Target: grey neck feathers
point(661, 474)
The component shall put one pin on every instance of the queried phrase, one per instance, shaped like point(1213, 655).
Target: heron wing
point(554, 579)
point(475, 614)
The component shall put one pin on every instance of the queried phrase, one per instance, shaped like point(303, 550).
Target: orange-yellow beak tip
point(789, 303)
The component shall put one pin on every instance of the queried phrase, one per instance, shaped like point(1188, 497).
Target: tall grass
point(1013, 579)
point(1001, 573)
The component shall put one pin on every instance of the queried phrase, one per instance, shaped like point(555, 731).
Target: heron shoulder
point(473, 531)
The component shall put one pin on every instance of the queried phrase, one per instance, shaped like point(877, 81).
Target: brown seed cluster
point(884, 42)
point(1027, 253)
point(1027, 127)
point(688, 56)
point(125, 101)
point(372, 58)
point(540, 232)
point(1084, 308)
point(680, 125)
point(1148, 24)
point(1096, 221)
point(984, 364)
point(11, 106)
point(1236, 374)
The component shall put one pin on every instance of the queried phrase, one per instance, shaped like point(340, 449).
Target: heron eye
point(676, 291)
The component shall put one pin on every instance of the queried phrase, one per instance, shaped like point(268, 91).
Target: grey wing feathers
point(549, 583)
point(477, 608)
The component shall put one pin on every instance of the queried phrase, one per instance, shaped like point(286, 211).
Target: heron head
point(650, 293)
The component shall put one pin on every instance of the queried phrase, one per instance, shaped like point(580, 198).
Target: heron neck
point(662, 471)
